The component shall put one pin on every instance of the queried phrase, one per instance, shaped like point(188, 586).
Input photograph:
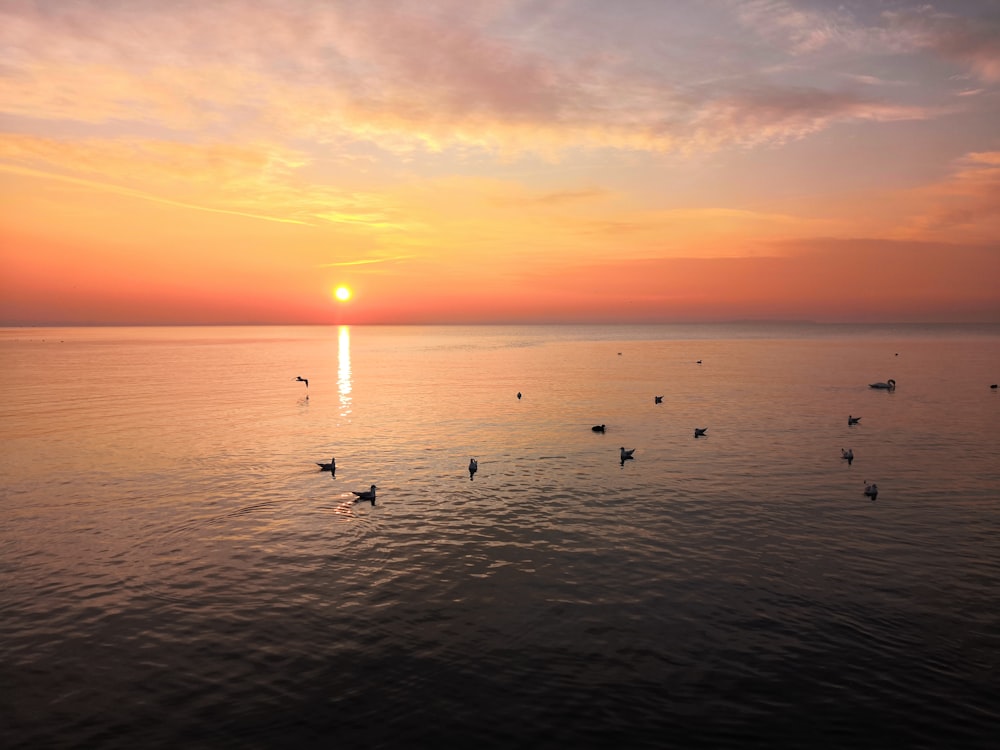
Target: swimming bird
point(871, 490)
point(303, 380)
point(994, 386)
point(332, 466)
point(367, 495)
point(852, 420)
point(848, 455)
point(626, 455)
point(518, 395)
point(700, 431)
point(889, 385)
point(598, 428)
point(657, 399)
point(473, 468)
point(698, 362)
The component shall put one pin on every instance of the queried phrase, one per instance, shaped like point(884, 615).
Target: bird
point(626, 454)
point(332, 466)
point(852, 420)
point(598, 428)
point(698, 362)
point(303, 380)
point(871, 490)
point(700, 431)
point(518, 395)
point(657, 399)
point(889, 385)
point(994, 386)
point(366, 495)
point(473, 468)
point(848, 455)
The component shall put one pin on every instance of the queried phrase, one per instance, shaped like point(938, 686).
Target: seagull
point(518, 395)
point(848, 455)
point(303, 380)
point(852, 420)
point(626, 455)
point(598, 428)
point(657, 399)
point(332, 466)
point(473, 467)
point(889, 385)
point(700, 431)
point(368, 495)
point(871, 490)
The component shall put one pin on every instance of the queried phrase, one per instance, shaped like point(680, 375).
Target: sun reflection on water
point(344, 370)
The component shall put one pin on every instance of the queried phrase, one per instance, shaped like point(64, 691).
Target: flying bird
point(700, 431)
point(871, 490)
point(367, 495)
point(852, 420)
point(301, 379)
point(848, 455)
point(598, 428)
point(473, 468)
point(888, 385)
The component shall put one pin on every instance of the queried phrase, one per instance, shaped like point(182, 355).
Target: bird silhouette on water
point(848, 455)
point(852, 420)
point(301, 379)
point(473, 468)
point(871, 490)
point(366, 495)
point(887, 385)
point(598, 428)
point(518, 395)
point(700, 431)
point(331, 467)
point(625, 455)
point(657, 399)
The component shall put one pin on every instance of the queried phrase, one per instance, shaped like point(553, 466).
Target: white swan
point(888, 385)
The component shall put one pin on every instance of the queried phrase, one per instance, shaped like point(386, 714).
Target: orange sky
point(235, 161)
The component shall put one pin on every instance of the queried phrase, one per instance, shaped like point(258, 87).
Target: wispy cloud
point(366, 261)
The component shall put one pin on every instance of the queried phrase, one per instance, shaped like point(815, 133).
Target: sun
point(342, 293)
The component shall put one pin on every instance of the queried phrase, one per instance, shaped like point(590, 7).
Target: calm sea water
point(177, 572)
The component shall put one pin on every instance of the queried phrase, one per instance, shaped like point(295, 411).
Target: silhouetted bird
point(332, 466)
point(303, 380)
point(626, 455)
point(473, 468)
point(598, 428)
point(848, 455)
point(700, 431)
point(368, 495)
point(871, 490)
point(888, 385)
point(518, 395)
point(657, 399)
point(852, 420)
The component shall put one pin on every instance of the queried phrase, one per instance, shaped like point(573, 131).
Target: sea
point(177, 571)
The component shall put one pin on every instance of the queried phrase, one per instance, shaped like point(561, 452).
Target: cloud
point(971, 42)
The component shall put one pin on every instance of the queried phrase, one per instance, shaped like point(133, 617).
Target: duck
point(598, 428)
point(301, 379)
point(871, 490)
point(518, 395)
point(994, 386)
point(366, 495)
point(473, 468)
point(848, 455)
point(852, 420)
point(657, 399)
point(700, 431)
point(626, 455)
point(888, 385)
point(332, 466)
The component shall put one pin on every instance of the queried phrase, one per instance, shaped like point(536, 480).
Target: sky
point(504, 161)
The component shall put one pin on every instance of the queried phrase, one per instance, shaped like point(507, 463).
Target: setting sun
point(342, 293)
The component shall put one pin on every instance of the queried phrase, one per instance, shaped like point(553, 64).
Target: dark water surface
point(177, 572)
